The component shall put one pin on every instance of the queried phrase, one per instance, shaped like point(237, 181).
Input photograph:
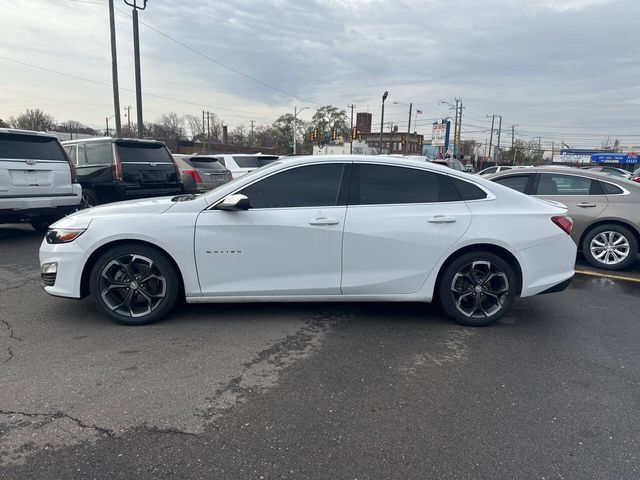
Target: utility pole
point(459, 125)
point(114, 69)
point(203, 140)
point(406, 145)
point(208, 124)
point(136, 55)
point(128, 117)
point(455, 130)
point(351, 130)
point(107, 121)
point(493, 119)
point(295, 114)
point(497, 149)
point(251, 139)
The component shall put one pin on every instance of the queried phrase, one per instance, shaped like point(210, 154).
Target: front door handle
point(324, 221)
point(442, 219)
point(585, 205)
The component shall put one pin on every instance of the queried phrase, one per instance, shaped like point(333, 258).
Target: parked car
point(241, 164)
point(37, 180)
point(452, 163)
point(201, 172)
point(605, 209)
point(113, 169)
point(616, 172)
point(413, 231)
point(497, 169)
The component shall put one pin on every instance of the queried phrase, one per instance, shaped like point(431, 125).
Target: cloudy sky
point(565, 70)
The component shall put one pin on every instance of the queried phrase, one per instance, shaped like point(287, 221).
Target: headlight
point(63, 235)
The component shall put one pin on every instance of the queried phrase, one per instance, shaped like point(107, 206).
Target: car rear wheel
point(477, 288)
point(134, 284)
point(88, 200)
point(610, 247)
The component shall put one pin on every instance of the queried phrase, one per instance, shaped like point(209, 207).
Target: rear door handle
point(324, 221)
point(585, 205)
point(441, 219)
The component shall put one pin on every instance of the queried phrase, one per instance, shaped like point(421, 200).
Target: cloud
point(571, 62)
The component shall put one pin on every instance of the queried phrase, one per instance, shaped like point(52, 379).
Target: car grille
point(48, 279)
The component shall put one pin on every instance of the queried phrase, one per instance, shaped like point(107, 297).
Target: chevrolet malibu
point(341, 228)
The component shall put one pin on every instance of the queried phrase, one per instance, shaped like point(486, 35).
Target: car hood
point(147, 206)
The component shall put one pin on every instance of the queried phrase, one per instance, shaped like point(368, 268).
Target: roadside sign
point(440, 134)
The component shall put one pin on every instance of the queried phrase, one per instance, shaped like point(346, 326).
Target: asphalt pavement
point(323, 391)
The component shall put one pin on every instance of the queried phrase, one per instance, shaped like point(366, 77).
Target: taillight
point(194, 174)
point(636, 179)
point(117, 171)
point(565, 223)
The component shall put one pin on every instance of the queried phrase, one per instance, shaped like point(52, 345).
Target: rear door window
point(388, 185)
point(468, 191)
point(515, 182)
point(558, 184)
point(30, 147)
point(611, 189)
point(132, 152)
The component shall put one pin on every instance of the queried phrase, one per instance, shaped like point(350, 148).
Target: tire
point(117, 284)
point(477, 288)
point(41, 224)
point(610, 247)
point(89, 199)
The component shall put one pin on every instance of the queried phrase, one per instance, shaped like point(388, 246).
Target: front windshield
point(252, 173)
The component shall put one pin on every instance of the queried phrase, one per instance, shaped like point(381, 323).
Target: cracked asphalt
point(353, 391)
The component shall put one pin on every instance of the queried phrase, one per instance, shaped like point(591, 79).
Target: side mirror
point(234, 202)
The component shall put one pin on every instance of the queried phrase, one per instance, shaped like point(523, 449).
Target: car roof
point(20, 131)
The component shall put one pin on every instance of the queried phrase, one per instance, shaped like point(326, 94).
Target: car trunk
point(35, 166)
point(211, 171)
point(147, 164)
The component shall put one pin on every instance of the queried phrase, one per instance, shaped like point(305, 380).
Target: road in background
point(316, 391)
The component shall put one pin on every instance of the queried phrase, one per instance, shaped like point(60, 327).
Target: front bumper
point(69, 258)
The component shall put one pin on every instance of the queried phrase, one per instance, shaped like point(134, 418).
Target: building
point(359, 148)
point(392, 142)
point(363, 122)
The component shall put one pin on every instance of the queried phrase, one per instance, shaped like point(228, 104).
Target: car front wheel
point(610, 247)
point(134, 284)
point(477, 288)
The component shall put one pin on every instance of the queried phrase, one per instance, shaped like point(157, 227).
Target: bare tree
point(34, 119)
point(195, 126)
point(613, 145)
point(3, 124)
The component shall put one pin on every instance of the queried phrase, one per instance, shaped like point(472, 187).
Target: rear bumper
point(560, 287)
point(18, 203)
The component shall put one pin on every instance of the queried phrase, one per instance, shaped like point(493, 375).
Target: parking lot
point(317, 391)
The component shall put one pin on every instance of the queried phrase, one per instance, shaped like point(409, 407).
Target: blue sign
point(614, 158)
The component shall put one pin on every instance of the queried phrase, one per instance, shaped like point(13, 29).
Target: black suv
point(113, 169)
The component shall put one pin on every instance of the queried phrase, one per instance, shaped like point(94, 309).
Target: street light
point(295, 117)
point(384, 97)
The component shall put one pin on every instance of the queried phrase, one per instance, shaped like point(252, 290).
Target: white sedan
point(341, 228)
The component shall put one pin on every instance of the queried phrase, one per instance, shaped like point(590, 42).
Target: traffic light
point(314, 134)
point(403, 139)
point(354, 132)
point(419, 140)
point(334, 134)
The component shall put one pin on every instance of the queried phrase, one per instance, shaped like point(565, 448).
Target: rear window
point(130, 152)
point(468, 191)
point(611, 189)
point(211, 163)
point(254, 162)
point(31, 147)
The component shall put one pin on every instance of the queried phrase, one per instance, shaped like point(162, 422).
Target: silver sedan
point(605, 209)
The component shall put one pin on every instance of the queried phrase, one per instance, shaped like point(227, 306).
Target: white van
point(37, 179)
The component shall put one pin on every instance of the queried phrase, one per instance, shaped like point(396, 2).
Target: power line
point(164, 97)
point(222, 64)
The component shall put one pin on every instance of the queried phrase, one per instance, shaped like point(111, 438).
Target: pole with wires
point(136, 56)
point(114, 69)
